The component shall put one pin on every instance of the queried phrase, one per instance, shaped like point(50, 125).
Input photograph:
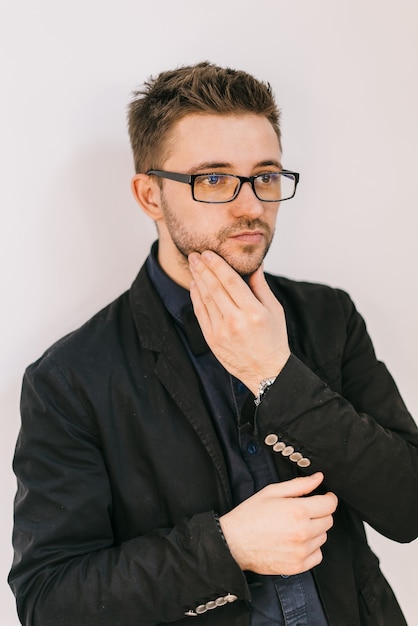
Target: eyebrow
point(214, 165)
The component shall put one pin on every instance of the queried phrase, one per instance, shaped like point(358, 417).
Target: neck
point(175, 265)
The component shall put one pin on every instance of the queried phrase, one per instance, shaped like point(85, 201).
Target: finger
point(200, 309)
point(260, 287)
point(297, 487)
point(321, 506)
point(311, 553)
point(232, 283)
point(309, 556)
point(314, 559)
point(210, 299)
point(320, 526)
point(212, 292)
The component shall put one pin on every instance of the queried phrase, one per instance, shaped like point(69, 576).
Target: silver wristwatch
point(262, 388)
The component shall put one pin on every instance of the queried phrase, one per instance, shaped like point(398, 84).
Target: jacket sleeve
point(361, 437)
point(68, 569)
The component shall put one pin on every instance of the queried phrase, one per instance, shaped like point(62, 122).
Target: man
point(208, 446)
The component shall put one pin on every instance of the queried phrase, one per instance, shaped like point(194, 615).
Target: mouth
point(248, 236)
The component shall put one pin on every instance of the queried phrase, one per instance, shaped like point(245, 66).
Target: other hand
point(277, 531)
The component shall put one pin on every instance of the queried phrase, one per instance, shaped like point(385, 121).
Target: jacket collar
point(177, 301)
point(174, 369)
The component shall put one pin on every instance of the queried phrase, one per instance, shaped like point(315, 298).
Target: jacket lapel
point(174, 369)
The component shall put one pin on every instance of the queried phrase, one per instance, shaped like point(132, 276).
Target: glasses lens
point(274, 186)
point(215, 187)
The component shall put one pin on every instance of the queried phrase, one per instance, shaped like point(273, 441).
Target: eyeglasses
point(220, 188)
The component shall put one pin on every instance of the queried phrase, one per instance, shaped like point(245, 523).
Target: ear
point(147, 193)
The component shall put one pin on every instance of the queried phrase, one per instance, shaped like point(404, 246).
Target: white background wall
point(72, 238)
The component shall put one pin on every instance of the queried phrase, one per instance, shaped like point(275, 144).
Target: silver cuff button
point(271, 439)
point(288, 450)
point(279, 447)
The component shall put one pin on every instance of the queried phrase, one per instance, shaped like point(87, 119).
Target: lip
point(249, 236)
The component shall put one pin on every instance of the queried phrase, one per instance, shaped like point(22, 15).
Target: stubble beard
point(246, 262)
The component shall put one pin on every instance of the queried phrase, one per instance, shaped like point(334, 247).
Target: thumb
point(259, 286)
point(301, 486)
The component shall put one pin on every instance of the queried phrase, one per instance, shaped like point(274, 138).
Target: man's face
point(240, 231)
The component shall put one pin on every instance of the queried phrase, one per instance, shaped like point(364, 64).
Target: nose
point(246, 203)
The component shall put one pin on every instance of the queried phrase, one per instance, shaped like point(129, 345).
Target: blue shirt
point(279, 600)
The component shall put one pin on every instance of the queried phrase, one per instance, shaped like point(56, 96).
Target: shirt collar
point(174, 297)
point(177, 301)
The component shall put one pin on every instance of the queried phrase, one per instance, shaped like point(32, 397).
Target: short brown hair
point(201, 88)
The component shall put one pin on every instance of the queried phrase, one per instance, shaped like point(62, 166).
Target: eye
point(267, 178)
point(211, 180)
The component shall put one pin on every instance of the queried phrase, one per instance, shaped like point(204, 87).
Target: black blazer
point(120, 470)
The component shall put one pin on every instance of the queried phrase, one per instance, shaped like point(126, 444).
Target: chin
point(246, 261)
point(244, 267)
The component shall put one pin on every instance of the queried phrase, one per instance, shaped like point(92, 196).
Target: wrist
point(220, 529)
point(264, 372)
point(232, 541)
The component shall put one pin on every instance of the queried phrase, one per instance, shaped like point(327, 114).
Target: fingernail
point(207, 255)
point(193, 258)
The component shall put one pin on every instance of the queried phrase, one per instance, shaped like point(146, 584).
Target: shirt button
point(252, 447)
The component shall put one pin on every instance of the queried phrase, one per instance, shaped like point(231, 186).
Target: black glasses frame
point(190, 178)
